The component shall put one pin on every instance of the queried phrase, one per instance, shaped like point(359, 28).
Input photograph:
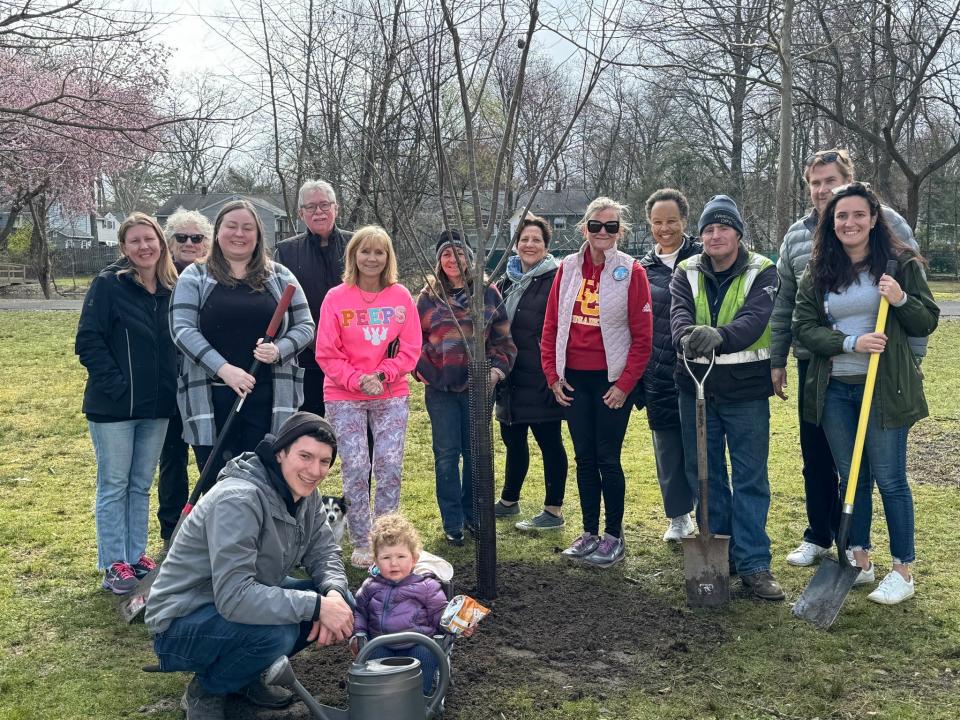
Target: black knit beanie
point(722, 210)
point(452, 238)
point(299, 424)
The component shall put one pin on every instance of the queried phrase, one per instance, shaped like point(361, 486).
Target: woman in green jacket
point(835, 317)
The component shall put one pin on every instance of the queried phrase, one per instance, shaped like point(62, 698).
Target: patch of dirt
point(558, 632)
point(932, 449)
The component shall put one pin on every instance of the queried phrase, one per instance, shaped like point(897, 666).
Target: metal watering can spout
point(371, 684)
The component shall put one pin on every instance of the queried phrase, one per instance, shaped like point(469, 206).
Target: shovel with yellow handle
point(820, 603)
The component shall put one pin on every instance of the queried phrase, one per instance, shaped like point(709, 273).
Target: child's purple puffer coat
point(384, 606)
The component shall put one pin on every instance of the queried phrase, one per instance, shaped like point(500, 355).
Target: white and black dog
point(336, 509)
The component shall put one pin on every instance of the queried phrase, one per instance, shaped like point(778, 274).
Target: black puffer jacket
point(659, 388)
point(123, 340)
point(524, 396)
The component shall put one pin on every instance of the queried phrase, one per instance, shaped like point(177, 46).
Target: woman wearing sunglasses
point(835, 319)
point(596, 342)
point(188, 234)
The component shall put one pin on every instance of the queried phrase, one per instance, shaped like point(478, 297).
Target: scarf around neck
point(520, 280)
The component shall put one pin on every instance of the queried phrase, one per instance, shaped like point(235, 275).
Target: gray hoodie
point(237, 546)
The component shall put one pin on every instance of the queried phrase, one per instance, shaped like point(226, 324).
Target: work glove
point(703, 340)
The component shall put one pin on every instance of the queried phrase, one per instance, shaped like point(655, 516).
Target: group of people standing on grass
point(584, 338)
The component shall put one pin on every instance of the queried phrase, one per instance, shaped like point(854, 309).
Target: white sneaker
point(866, 577)
point(680, 526)
point(892, 589)
point(806, 554)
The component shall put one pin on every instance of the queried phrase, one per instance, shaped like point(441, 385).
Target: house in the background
point(107, 227)
point(563, 208)
point(67, 230)
point(269, 208)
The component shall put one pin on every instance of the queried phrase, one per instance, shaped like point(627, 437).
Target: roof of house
point(200, 201)
point(571, 201)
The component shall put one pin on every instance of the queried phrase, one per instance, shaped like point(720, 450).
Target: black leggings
point(597, 433)
point(252, 423)
point(550, 441)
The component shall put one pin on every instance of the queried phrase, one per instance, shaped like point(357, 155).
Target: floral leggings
point(388, 421)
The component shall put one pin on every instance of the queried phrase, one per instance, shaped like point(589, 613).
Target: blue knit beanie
point(723, 210)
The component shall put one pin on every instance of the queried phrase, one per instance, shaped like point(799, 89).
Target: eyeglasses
point(611, 226)
point(183, 237)
point(311, 208)
point(857, 185)
point(828, 157)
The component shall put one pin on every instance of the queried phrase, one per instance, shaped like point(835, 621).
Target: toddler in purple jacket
point(396, 599)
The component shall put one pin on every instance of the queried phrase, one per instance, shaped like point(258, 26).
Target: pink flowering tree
point(66, 118)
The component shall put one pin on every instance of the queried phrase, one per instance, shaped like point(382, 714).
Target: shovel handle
point(862, 425)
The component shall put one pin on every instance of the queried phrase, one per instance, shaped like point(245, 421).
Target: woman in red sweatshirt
point(368, 339)
point(597, 338)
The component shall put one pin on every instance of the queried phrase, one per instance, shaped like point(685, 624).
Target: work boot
point(267, 696)
point(763, 585)
point(200, 704)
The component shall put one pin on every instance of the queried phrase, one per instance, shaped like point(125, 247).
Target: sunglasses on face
point(183, 237)
point(311, 208)
point(611, 226)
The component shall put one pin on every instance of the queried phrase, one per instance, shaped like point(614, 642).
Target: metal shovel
point(821, 601)
point(706, 563)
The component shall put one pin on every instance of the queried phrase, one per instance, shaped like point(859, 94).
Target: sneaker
point(892, 589)
point(544, 521)
point(455, 538)
point(763, 585)
point(361, 558)
point(582, 546)
point(201, 705)
point(610, 551)
point(119, 578)
point(267, 696)
point(143, 566)
point(867, 576)
point(502, 510)
point(471, 528)
point(806, 554)
point(680, 527)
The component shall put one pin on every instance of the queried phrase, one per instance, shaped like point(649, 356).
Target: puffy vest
point(732, 302)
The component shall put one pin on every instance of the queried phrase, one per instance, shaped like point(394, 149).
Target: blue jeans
point(228, 656)
point(450, 426)
point(738, 505)
point(884, 459)
point(127, 456)
point(428, 663)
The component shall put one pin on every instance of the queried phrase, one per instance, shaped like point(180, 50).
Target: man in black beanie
point(223, 605)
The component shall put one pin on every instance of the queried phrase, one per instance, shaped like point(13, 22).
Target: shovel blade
point(820, 603)
point(706, 570)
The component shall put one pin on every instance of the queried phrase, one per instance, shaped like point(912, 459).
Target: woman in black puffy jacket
point(123, 341)
point(667, 211)
point(524, 401)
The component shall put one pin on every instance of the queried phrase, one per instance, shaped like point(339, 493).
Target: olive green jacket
point(899, 390)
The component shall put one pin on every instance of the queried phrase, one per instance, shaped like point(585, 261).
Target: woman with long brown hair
point(220, 310)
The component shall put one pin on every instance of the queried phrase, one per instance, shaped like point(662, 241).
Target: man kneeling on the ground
point(223, 605)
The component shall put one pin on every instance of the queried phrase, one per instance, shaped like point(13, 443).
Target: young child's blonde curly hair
point(394, 529)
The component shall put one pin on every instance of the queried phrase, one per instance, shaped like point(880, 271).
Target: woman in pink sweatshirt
point(368, 339)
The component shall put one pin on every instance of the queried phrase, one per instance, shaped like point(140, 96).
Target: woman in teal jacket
point(835, 318)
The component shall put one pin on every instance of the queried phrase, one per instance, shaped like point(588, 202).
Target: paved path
point(947, 309)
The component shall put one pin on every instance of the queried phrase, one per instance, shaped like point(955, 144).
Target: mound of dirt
point(558, 632)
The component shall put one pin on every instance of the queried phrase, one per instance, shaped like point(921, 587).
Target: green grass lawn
point(65, 654)
point(945, 289)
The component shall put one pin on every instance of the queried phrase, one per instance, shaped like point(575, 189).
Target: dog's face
point(335, 508)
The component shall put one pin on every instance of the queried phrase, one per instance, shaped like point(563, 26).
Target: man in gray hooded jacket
point(223, 605)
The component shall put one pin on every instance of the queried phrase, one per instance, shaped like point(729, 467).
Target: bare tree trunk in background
point(39, 249)
point(784, 168)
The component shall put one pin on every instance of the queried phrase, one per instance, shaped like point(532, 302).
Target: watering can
point(373, 686)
